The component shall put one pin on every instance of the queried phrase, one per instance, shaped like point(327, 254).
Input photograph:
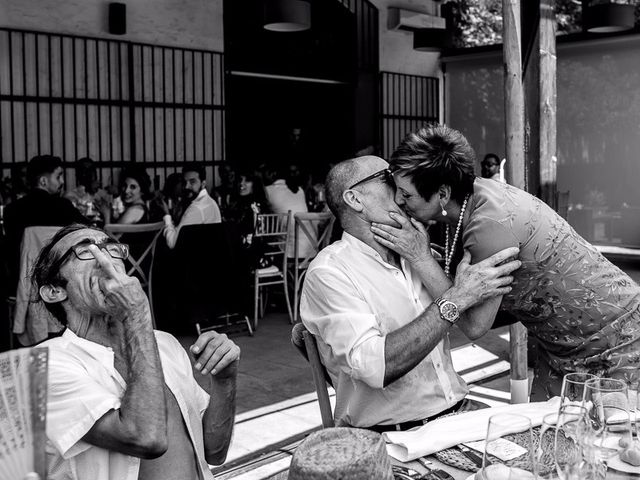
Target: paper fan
point(23, 407)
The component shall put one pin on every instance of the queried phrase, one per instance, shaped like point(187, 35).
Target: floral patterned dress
point(583, 311)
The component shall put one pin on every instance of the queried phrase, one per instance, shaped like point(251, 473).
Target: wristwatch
point(449, 311)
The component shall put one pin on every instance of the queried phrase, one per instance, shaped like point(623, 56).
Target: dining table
point(459, 474)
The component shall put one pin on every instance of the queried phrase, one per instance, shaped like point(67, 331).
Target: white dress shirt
point(281, 199)
point(351, 299)
point(84, 385)
point(203, 210)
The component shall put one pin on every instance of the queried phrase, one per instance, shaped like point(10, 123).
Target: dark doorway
point(294, 95)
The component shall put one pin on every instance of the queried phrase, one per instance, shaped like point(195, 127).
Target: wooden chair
point(316, 228)
point(133, 233)
point(272, 234)
point(306, 344)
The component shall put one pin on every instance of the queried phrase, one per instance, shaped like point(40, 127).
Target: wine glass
point(571, 429)
point(606, 400)
point(573, 387)
point(508, 451)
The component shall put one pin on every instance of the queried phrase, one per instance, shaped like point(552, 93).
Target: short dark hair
point(140, 175)
point(489, 156)
point(194, 167)
point(433, 156)
point(41, 165)
point(45, 271)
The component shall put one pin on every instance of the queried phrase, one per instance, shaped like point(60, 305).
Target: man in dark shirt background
point(42, 206)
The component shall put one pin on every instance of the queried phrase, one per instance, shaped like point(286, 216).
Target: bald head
point(345, 174)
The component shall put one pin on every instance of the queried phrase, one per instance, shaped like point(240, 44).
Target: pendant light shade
point(608, 17)
point(287, 15)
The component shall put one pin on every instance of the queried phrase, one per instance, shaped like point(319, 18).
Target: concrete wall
point(396, 47)
point(193, 23)
point(183, 23)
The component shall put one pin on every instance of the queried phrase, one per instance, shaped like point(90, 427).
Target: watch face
point(449, 311)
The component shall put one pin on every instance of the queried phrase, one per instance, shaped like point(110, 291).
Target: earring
point(444, 212)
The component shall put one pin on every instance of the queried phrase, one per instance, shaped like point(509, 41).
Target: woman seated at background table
point(249, 202)
point(131, 206)
point(583, 311)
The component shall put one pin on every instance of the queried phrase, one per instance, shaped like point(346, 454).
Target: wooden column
point(548, 104)
point(514, 148)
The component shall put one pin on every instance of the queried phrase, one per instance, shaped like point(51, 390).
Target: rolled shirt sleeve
point(339, 315)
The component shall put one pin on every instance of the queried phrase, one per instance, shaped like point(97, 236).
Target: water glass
point(573, 387)
point(571, 430)
point(503, 456)
point(545, 459)
point(606, 401)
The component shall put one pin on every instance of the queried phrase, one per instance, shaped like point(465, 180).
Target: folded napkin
point(466, 427)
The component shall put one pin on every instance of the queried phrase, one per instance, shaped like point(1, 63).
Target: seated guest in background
point(582, 311)
point(131, 206)
point(123, 403)
point(490, 167)
point(87, 186)
point(201, 209)
point(286, 193)
point(226, 192)
point(172, 195)
point(42, 206)
point(382, 334)
point(251, 201)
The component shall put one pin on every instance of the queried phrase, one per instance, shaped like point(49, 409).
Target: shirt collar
point(359, 245)
point(201, 194)
point(101, 353)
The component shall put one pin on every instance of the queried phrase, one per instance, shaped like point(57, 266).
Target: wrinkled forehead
point(79, 236)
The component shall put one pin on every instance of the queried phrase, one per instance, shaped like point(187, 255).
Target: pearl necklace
point(448, 254)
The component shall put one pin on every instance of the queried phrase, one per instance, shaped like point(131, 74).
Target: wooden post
point(514, 126)
point(548, 103)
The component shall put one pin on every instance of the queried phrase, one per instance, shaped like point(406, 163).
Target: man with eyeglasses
point(123, 403)
point(381, 335)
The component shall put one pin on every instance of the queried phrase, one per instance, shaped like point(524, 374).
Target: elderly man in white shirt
point(202, 210)
point(123, 403)
point(381, 335)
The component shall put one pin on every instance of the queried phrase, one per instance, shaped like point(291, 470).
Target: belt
point(401, 427)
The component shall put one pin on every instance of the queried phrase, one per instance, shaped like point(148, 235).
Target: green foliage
point(479, 22)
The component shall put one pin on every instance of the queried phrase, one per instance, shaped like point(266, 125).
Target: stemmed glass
point(571, 429)
point(606, 401)
point(503, 457)
point(573, 387)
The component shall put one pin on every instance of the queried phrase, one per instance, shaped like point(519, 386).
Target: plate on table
point(614, 463)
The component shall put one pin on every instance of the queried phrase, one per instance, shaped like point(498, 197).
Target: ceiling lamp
point(607, 17)
point(287, 15)
point(430, 39)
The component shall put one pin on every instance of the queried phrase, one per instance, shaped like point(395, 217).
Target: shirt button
point(437, 365)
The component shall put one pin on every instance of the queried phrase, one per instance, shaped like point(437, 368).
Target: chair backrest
point(306, 344)
point(208, 277)
point(32, 322)
point(315, 229)
point(142, 238)
point(272, 232)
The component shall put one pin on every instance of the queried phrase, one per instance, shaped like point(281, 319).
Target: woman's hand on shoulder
point(411, 241)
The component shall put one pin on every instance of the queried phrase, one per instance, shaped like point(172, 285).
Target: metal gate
point(407, 103)
point(111, 100)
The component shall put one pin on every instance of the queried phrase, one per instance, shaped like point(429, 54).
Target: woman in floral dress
point(583, 311)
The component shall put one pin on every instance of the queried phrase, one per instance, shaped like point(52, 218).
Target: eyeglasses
point(385, 174)
point(83, 252)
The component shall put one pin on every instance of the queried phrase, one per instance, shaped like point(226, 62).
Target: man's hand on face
point(122, 293)
point(216, 354)
point(486, 279)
